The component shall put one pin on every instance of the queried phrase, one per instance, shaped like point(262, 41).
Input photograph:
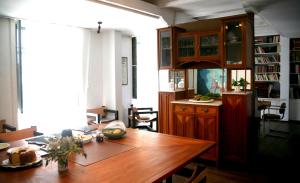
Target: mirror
point(205, 81)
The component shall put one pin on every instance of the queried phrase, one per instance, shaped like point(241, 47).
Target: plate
point(4, 145)
point(6, 164)
point(201, 101)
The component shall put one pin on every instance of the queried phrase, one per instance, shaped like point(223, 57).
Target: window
point(238, 74)
point(19, 29)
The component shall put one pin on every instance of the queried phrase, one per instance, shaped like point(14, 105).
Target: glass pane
point(233, 44)
point(186, 47)
point(165, 45)
point(209, 45)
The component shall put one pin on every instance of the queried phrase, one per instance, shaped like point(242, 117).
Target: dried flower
point(60, 149)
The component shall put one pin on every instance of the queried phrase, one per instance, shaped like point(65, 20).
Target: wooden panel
point(184, 124)
point(206, 110)
point(184, 108)
point(206, 128)
point(235, 127)
point(164, 110)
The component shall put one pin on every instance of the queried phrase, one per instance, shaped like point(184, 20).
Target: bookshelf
point(295, 68)
point(267, 66)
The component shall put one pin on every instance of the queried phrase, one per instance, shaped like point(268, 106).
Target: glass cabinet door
point(165, 48)
point(233, 43)
point(186, 47)
point(209, 45)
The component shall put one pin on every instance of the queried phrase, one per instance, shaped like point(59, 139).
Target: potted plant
point(235, 83)
point(243, 83)
point(59, 150)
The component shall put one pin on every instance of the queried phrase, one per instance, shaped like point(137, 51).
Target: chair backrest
point(282, 109)
point(18, 135)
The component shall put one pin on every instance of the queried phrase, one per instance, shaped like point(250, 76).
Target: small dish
point(4, 145)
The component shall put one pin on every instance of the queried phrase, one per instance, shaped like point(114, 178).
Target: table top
point(140, 156)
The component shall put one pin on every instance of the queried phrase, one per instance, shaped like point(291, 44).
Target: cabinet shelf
point(270, 63)
point(266, 54)
point(267, 44)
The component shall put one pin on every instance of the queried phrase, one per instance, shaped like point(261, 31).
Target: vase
point(62, 165)
point(237, 89)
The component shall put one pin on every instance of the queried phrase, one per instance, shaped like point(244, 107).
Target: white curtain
point(55, 62)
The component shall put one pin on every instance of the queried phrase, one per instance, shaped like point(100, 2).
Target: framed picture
point(124, 70)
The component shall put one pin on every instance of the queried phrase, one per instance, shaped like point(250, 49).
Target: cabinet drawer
point(184, 108)
point(205, 110)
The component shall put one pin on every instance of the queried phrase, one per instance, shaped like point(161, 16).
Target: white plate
point(4, 145)
point(201, 101)
point(6, 164)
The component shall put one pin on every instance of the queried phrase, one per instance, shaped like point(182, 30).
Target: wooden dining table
point(140, 156)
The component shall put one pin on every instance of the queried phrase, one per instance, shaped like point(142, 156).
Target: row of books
point(295, 56)
point(266, 60)
point(267, 77)
point(267, 39)
point(267, 68)
point(260, 49)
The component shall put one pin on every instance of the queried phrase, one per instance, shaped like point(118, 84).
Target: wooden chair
point(142, 118)
point(192, 173)
point(4, 127)
point(103, 115)
point(18, 134)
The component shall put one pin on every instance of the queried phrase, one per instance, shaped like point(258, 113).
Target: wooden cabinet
point(166, 46)
point(210, 47)
point(236, 126)
point(197, 121)
point(186, 47)
point(199, 47)
point(164, 109)
point(238, 42)
point(183, 121)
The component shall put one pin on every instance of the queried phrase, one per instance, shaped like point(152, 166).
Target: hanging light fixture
point(99, 27)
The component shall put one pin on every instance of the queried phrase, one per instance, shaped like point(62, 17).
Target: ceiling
point(271, 16)
point(281, 16)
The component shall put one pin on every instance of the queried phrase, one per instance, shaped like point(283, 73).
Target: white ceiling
point(79, 13)
point(283, 16)
point(278, 16)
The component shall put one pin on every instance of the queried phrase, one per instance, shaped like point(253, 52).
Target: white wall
point(126, 51)
point(94, 88)
point(284, 73)
point(8, 86)
point(105, 76)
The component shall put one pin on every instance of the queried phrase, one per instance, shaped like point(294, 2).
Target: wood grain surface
point(149, 157)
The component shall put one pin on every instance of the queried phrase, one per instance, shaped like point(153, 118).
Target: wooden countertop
point(186, 101)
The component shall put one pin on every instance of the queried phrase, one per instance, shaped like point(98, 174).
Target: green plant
point(235, 83)
point(60, 149)
point(243, 83)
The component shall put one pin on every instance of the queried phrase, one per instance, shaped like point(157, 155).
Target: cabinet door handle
point(205, 110)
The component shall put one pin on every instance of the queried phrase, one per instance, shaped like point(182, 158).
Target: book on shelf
point(267, 77)
point(267, 39)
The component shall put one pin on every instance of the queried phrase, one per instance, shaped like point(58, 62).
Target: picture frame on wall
point(124, 71)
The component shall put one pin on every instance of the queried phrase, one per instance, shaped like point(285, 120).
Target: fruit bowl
point(113, 133)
